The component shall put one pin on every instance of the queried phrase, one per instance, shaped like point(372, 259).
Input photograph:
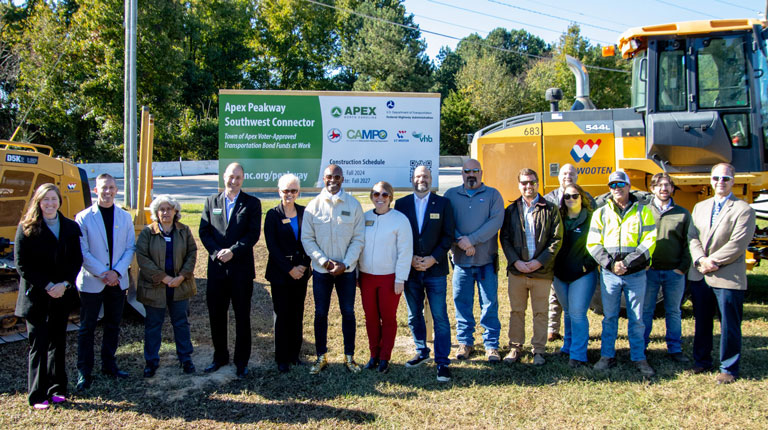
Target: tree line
point(62, 61)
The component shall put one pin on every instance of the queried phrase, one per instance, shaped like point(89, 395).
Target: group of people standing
point(564, 242)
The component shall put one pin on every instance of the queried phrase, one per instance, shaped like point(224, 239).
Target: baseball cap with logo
point(618, 176)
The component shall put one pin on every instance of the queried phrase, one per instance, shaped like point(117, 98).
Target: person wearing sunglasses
point(479, 213)
point(723, 226)
point(333, 234)
point(384, 266)
point(575, 274)
point(531, 237)
point(566, 176)
point(669, 264)
point(287, 271)
point(622, 237)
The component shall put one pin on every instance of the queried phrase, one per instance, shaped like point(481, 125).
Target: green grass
point(480, 395)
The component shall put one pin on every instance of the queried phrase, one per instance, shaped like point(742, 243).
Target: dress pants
point(219, 294)
point(47, 332)
point(706, 300)
point(520, 287)
point(288, 302)
point(113, 299)
point(380, 305)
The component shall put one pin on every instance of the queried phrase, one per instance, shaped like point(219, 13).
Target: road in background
point(194, 189)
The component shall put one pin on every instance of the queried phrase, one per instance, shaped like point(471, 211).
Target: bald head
point(472, 174)
point(568, 175)
point(333, 177)
point(422, 180)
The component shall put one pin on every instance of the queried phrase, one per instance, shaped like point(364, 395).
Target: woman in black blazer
point(287, 271)
point(48, 258)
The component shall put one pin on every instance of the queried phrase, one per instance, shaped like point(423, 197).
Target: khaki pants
point(519, 289)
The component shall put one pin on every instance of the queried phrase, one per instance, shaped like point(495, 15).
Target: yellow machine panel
point(504, 153)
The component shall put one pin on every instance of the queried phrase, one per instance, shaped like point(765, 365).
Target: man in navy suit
point(229, 228)
point(432, 224)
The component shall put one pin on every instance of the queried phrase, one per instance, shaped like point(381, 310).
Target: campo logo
point(334, 135)
point(584, 150)
point(336, 112)
point(367, 134)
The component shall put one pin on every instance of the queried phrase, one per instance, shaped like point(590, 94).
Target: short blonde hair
point(165, 198)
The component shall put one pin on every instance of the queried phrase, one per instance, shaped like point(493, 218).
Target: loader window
point(43, 179)
point(722, 73)
point(737, 127)
point(672, 83)
point(15, 184)
point(639, 80)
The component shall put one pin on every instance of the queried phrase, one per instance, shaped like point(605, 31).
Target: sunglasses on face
point(291, 191)
point(526, 183)
point(615, 185)
point(468, 171)
point(333, 177)
point(380, 194)
point(571, 196)
point(723, 178)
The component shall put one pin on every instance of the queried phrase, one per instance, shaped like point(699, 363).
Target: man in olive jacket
point(531, 236)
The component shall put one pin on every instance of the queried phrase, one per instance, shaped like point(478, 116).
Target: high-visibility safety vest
point(630, 239)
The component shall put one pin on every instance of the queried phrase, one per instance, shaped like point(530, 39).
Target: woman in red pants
point(384, 266)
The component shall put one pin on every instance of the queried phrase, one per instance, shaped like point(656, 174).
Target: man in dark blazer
point(432, 224)
point(229, 228)
point(722, 228)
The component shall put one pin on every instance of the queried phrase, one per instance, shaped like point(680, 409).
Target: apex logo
point(584, 150)
point(336, 112)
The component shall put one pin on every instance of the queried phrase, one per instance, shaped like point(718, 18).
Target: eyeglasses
point(471, 170)
point(571, 196)
point(334, 177)
point(382, 194)
point(290, 191)
point(615, 185)
point(526, 183)
point(723, 178)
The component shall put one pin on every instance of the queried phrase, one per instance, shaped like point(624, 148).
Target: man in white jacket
point(332, 233)
point(108, 244)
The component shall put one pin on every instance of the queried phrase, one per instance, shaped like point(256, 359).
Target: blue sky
point(602, 21)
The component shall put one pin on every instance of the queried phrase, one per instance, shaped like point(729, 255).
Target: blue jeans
point(322, 288)
point(464, 279)
point(731, 304)
point(153, 328)
point(574, 297)
point(611, 287)
point(673, 287)
point(434, 288)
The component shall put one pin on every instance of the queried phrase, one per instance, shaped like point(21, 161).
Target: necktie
point(715, 212)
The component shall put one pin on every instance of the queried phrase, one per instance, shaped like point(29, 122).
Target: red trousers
point(380, 306)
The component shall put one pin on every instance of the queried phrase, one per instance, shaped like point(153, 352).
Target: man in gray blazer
point(108, 244)
point(723, 227)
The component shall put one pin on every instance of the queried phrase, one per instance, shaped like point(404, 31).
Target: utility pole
point(129, 105)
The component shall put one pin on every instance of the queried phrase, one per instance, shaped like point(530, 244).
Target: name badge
point(217, 211)
point(369, 223)
point(434, 216)
point(167, 239)
point(345, 213)
point(286, 221)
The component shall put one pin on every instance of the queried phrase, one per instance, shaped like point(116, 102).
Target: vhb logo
point(584, 150)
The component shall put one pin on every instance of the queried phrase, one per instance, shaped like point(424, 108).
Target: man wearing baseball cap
point(622, 236)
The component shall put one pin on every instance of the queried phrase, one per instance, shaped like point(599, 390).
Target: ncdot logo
point(367, 134)
point(584, 150)
point(334, 135)
point(336, 112)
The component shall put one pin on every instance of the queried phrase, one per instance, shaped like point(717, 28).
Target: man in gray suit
point(723, 227)
point(108, 244)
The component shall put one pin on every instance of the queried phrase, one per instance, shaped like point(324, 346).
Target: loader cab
point(703, 90)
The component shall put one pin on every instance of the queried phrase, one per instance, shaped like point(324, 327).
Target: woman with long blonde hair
point(48, 257)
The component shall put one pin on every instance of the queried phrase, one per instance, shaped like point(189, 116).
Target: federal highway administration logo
point(334, 135)
point(390, 104)
point(584, 150)
point(336, 112)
